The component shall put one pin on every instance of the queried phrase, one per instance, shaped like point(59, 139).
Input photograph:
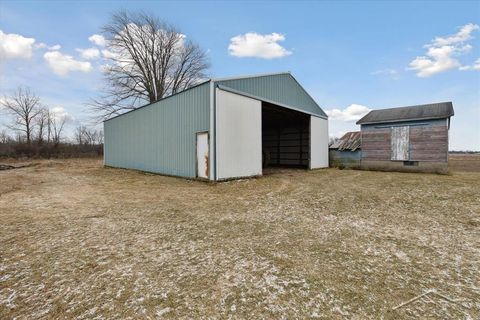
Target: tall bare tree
point(49, 125)
point(150, 59)
point(57, 124)
point(80, 134)
point(24, 106)
point(42, 122)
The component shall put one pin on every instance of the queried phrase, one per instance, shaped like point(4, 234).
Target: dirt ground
point(82, 241)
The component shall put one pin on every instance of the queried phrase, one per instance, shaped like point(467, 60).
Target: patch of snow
point(163, 311)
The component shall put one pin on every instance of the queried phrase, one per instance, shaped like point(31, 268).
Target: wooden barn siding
point(376, 144)
point(427, 143)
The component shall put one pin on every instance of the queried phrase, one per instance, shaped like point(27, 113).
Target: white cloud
point(438, 60)
point(108, 54)
point(442, 53)
point(474, 66)
point(90, 53)
point(252, 44)
point(105, 67)
point(62, 64)
point(98, 40)
point(15, 46)
point(337, 135)
point(60, 113)
point(4, 100)
point(55, 47)
point(351, 113)
point(40, 45)
point(392, 73)
point(463, 35)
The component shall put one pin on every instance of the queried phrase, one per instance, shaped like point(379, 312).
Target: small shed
point(413, 138)
point(346, 152)
point(222, 129)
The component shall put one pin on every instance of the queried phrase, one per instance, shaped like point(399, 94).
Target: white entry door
point(202, 155)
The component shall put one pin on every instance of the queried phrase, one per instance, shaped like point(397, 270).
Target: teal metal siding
point(280, 88)
point(160, 137)
point(345, 158)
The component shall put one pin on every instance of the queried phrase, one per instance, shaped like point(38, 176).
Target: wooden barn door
point(400, 143)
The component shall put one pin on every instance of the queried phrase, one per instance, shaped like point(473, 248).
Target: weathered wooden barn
point(346, 151)
point(411, 138)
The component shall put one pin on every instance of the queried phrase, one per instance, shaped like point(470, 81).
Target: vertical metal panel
point(160, 137)
point(400, 143)
point(280, 88)
point(318, 143)
point(212, 155)
point(239, 135)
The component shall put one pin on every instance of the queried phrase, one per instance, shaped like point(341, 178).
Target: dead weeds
point(82, 241)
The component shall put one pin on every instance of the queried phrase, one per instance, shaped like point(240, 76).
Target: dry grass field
point(86, 242)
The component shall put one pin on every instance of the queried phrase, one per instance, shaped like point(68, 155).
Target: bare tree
point(50, 116)
point(100, 137)
point(149, 60)
point(42, 122)
point(332, 140)
point(57, 126)
point(80, 134)
point(24, 106)
point(88, 136)
point(4, 137)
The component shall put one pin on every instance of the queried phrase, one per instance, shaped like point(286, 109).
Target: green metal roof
point(277, 88)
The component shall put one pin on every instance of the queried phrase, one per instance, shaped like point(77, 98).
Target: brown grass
point(464, 162)
point(82, 241)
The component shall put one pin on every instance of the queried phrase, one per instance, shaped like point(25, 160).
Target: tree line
point(148, 59)
point(37, 131)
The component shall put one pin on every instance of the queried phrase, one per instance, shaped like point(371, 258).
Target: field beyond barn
point(87, 242)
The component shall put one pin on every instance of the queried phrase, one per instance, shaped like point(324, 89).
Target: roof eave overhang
point(403, 120)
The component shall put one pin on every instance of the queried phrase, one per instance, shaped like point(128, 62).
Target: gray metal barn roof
point(349, 141)
point(419, 112)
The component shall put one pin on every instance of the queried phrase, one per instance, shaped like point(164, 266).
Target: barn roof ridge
point(250, 76)
point(439, 110)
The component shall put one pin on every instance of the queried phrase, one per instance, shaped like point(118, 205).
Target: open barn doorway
point(285, 137)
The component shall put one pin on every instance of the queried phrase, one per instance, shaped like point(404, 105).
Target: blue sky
point(350, 56)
